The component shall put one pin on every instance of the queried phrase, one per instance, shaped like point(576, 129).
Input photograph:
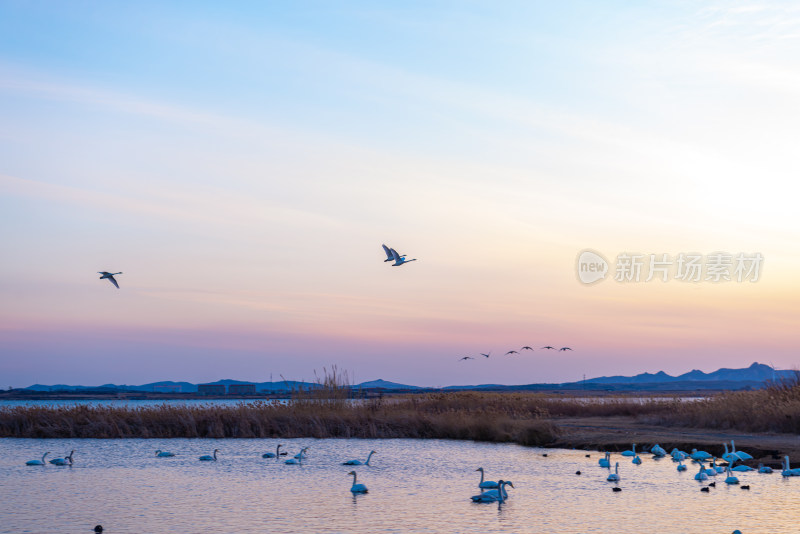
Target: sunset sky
point(241, 165)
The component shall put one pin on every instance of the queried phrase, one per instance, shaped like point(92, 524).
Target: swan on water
point(631, 452)
point(700, 455)
point(658, 451)
point(614, 477)
point(741, 454)
point(681, 467)
point(718, 468)
point(764, 469)
point(109, 277)
point(787, 470)
point(495, 495)
point(729, 457)
point(164, 454)
point(357, 488)
point(701, 475)
point(275, 454)
point(742, 468)
point(710, 471)
point(359, 462)
point(636, 460)
point(207, 458)
point(298, 458)
point(605, 462)
point(486, 484)
point(67, 460)
point(731, 479)
point(37, 462)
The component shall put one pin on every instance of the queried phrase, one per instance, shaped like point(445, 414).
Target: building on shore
point(211, 389)
point(242, 389)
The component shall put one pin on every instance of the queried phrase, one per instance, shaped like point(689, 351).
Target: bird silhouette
point(549, 347)
point(466, 358)
point(109, 277)
point(562, 349)
point(487, 355)
point(511, 352)
point(389, 256)
point(526, 347)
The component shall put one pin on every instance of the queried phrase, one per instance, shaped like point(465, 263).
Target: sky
point(241, 164)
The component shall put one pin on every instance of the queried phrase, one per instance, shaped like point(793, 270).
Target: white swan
point(681, 467)
point(658, 451)
point(718, 468)
point(357, 488)
point(741, 454)
point(109, 277)
point(486, 484)
point(787, 470)
point(359, 462)
point(637, 460)
point(605, 462)
point(742, 468)
point(764, 469)
point(275, 454)
point(298, 458)
point(389, 255)
point(164, 454)
point(678, 455)
point(207, 458)
point(711, 471)
point(631, 452)
point(496, 495)
point(398, 259)
point(614, 477)
point(700, 455)
point(67, 460)
point(729, 456)
point(37, 462)
point(731, 479)
point(701, 475)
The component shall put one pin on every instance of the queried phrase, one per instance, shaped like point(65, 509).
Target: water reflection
point(414, 486)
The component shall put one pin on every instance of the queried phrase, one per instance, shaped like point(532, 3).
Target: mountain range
point(750, 377)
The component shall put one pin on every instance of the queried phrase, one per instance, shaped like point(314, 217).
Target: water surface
point(414, 486)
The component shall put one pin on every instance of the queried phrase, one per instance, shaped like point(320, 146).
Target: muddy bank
point(618, 433)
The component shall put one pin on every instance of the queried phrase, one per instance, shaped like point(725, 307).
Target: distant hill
point(754, 376)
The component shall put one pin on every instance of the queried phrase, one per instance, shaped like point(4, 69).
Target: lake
point(419, 486)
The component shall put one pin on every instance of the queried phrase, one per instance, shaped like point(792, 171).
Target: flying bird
point(549, 347)
point(389, 256)
point(110, 277)
point(398, 259)
point(511, 352)
point(466, 358)
point(486, 355)
point(562, 349)
point(526, 347)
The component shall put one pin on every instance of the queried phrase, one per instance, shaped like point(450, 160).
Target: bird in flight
point(109, 277)
point(549, 347)
point(486, 355)
point(398, 259)
point(562, 349)
point(526, 347)
point(466, 358)
point(389, 255)
point(511, 352)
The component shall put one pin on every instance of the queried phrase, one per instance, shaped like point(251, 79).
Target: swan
point(359, 462)
point(700, 455)
point(678, 455)
point(109, 277)
point(741, 454)
point(298, 458)
point(681, 467)
point(658, 451)
point(701, 475)
point(730, 457)
point(787, 470)
point(614, 477)
point(764, 469)
point(486, 484)
point(711, 471)
point(67, 460)
point(637, 460)
point(164, 454)
point(207, 458)
point(389, 255)
point(631, 452)
point(275, 454)
point(496, 495)
point(398, 259)
point(605, 462)
point(37, 462)
point(731, 479)
point(718, 468)
point(357, 488)
point(742, 468)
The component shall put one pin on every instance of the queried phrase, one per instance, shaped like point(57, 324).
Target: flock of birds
point(700, 457)
point(509, 353)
